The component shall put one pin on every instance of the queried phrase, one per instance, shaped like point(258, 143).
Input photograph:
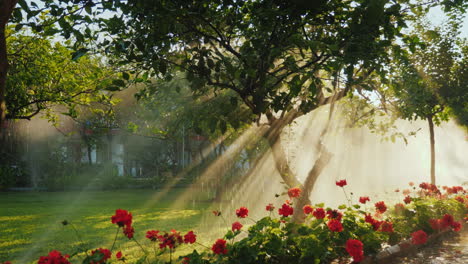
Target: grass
point(30, 223)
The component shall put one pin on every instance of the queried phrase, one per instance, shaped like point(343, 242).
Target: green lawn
point(30, 223)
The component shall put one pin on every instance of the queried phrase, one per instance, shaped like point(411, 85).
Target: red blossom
point(219, 247)
point(118, 255)
point(460, 199)
point(294, 192)
point(411, 183)
point(341, 183)
point(380, 207)
point(129, 231)
point(285, 210)
point(447, 220)
point(386, 227)
point(456, 226)
point(407, 200)
point(355, 249)
point(54, 257)
point(6, 262)
point(335, 225)
point(419, 237)
point(216, 213)
point(190, 238)
point(104, 253)
point(236, 226)
point(399, 208)
point(270, 207)
point(170, 240)
point(122, 218)
point(307, 209)
point(319, 213)
point(406, 192)
point(375, 223)
point(334, 214)
point(152, 235)
point(436, 224)
point(242, 212)
point(186, 260)
point(364, 199)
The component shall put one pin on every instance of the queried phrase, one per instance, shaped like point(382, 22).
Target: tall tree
point(283, 58)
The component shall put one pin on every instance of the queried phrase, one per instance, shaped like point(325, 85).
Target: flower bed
point(345, 234)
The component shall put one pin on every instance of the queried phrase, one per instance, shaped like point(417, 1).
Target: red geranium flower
point(386, 227)
point(319, 213)
point(170, 240)
point(334, 214)
point(294, 192)
point(364, 199)
point(242, 212)
point(104, 253)
point(436, 224)
point(307, 209)
point(285, 210)
point(380, 207)
point(219, 247)
point(54, 257)
point(129, 231)
point(118, 255)
point(456, 226)
point(375, 223)
point(460, 199)
point(341, 183)
point(407, 200)
point(419, 237)
point(236, 226)
point(447, 221)
point(335, 225)
point(122, 218)
point(152, 235)
point(355, 249)
point(186, 260)
point(216, 213)
point(270, 207)
point(190, 238)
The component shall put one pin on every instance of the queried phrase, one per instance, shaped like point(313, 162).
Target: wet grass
point(30, 223)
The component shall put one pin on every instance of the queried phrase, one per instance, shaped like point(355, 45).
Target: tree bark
point(6, 8)
point(432, 142)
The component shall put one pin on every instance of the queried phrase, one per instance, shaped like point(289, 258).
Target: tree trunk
point(432, 140)
point(6, 8)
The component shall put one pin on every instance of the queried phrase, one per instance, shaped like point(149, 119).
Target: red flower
point(364, 199)
point(386, 227)
point(456, 226)
point(170, 240)
point(294, 192)
point(219, 247)
point(152, 235)
point(436, 224)
point(319, 213)
point(307, 209)
point(380, 207)
point(129, 231)
point(118, 255)
point(190, 238)
point(424, 185)
point(399, 207)
point(447, 221)
point(104, 254)
point(122, 218)
point(411, 183)
point(341, 183)
point(355, 249)
point(335, 225)
point(419, 237)
point(54, 257)
point(460, 199)
point(375, 223)
point(6, 262)
point(242, 212)
point(334, 214)
point(285, 210)
point(407, 200)
point(236, 226)
point(270, 207)
point(186, 260)
point(406, 192)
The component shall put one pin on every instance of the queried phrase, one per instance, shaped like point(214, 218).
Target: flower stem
point(78, 236)
point(349, 201)
point(115, 238)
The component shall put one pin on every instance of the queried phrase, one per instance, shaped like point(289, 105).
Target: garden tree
point(427, 81)
point(282, 58)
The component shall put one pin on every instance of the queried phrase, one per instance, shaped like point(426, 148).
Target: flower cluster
point(171, 239)
point(242, 212)
point(355, 249)
point(124, 219)
point(54, 257)
point(100, 256)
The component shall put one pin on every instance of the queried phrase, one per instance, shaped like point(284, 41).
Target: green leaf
point(79, 53)
point(125, 75)
point(141, 260)
point(118, 82)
